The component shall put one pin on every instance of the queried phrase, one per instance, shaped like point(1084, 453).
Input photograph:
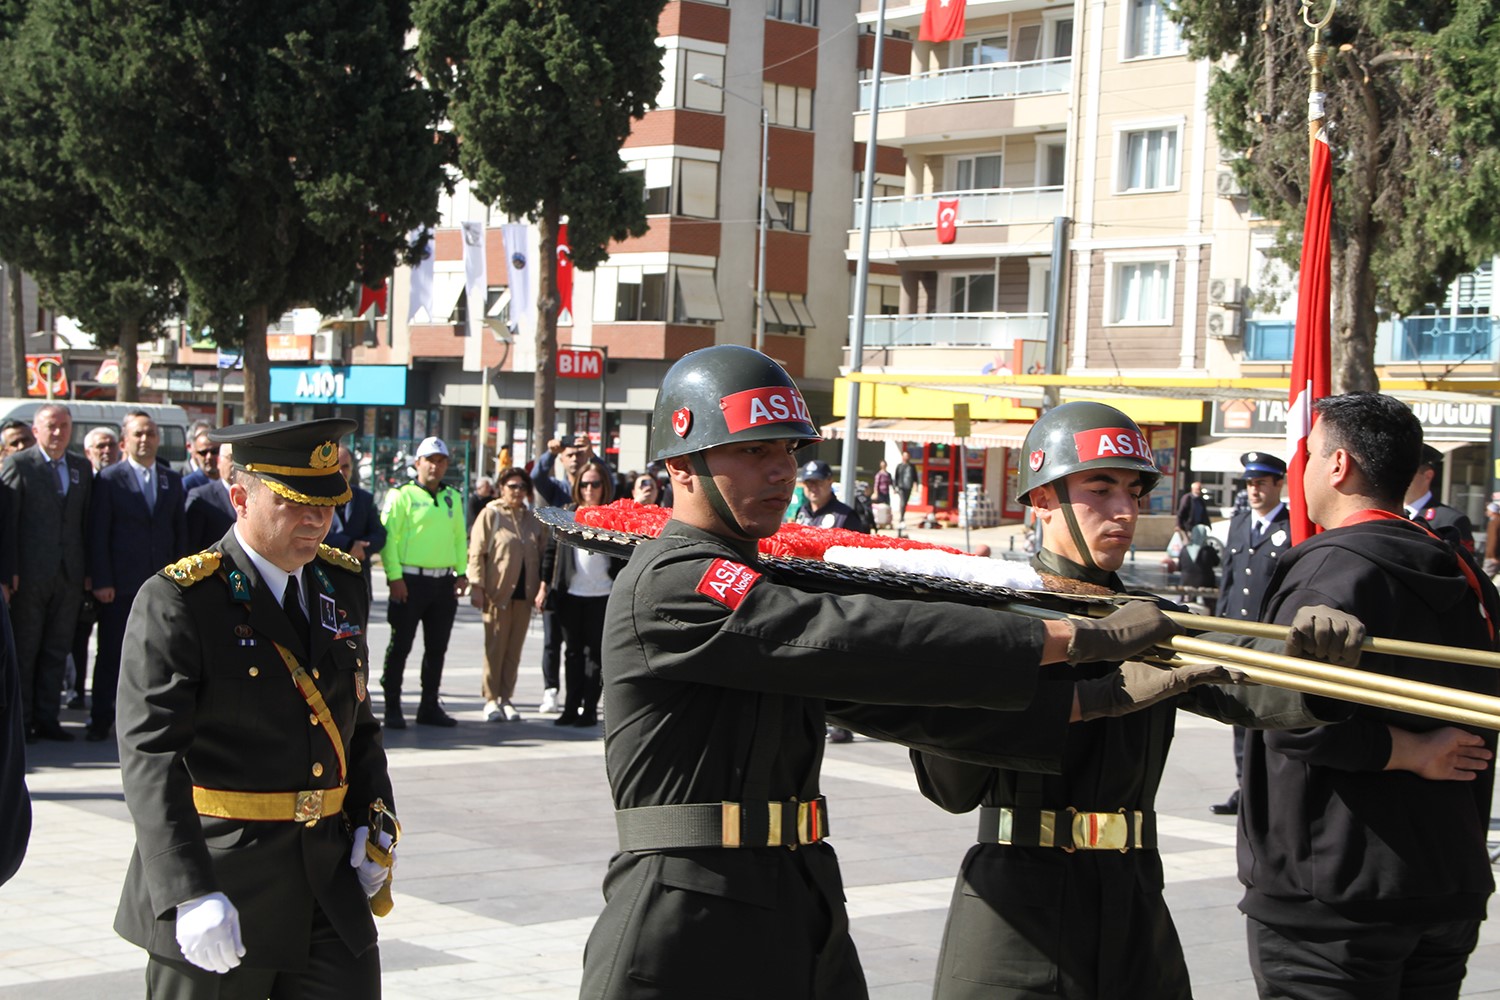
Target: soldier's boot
point(430, 712)
point(394, 719)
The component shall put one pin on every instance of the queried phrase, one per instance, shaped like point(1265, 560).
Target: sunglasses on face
point(588, 485)
point(515, 486)
point(207, 452)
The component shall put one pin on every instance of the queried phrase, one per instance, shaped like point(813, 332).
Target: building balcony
point(1452, 338)
point(970, 83)
point(907, 16)
point(990, 207)
point(992, 331)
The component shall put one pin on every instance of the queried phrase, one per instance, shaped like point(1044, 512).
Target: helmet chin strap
point(1085, 556)
point(715, 498)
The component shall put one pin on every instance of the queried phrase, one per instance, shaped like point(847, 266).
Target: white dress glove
point(208, 932)
point(371, 874)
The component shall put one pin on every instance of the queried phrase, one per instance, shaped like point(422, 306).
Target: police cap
point(297, 460)
point(1260, 463)
point(816, 469)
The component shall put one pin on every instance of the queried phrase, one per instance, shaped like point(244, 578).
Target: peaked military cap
point(297, 460)
point(1262, 463)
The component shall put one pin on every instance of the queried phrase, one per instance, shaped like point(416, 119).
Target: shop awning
point(982, 433)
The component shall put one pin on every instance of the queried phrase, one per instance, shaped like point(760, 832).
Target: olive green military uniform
point(715, 678)
point(1037, 921)
point(207, 703)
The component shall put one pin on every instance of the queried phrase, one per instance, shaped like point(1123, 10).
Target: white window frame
point(1115, 264)
point(1044, 146)
point(1123, 133)
point(687, 193)
point(682, 57)
point(952, 166)
point(694, 291)
point(1050, 21)
point(1038, 277)
point(800, 219)
point(950, 278)
point(1172, 32)
point(777, 96)
point(959, 44)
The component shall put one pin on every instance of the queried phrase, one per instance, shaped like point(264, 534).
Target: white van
point(89, 413)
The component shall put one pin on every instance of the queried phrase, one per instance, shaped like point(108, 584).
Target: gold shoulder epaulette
point(190, 569)
point(338, 557)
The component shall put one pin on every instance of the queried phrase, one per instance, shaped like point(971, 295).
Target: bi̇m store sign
point(1266, 418)
point(347, 385)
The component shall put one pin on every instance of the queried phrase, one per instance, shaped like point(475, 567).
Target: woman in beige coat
point(505, 560)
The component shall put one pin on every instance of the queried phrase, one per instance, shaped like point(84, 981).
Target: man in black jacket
point(1362, 845)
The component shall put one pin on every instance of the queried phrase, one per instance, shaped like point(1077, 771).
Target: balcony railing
point(991, 206)
point(1462, 337)
point(970, 83)
point(997, 330)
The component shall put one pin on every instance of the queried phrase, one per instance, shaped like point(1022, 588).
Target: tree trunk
point(257, 369)
point(127, 389)
point(1354, 318)
point(544, 387)
point(17, 332)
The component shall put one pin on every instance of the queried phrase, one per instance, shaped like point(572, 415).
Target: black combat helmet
point(1083, 435)
point(726, 393)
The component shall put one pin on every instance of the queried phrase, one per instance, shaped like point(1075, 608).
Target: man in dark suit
point(356, 525)
point(136, 527)
point(250, 876)
point(203, 456)
point(1258, 537)
point(209, 512)
point(1192, 509)
point(1422, 503)
point(49, 493)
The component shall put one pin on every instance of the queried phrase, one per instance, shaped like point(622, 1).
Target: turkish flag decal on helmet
point(1036, 460)
point(727, 582)
point(682, 419)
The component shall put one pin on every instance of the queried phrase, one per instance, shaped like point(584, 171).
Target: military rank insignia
point(239, 586)
point(360, 690)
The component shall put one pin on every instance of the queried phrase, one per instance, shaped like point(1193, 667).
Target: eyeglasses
point(587, 485)
point(204, 453)
point(515, 486)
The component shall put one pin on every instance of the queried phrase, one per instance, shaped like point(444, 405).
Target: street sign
point(46, 375)
point(575, 362)
point(960, 420)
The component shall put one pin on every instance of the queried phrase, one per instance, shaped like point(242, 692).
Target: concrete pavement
point(508, 829)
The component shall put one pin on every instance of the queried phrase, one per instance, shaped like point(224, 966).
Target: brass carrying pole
point(1317, 56)
point(1372, 644)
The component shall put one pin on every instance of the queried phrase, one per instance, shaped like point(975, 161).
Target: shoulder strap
point(314, 699)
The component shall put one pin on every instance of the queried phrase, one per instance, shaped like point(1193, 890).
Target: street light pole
point(765, 158)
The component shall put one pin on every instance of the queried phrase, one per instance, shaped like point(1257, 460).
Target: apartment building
point(1083, 128)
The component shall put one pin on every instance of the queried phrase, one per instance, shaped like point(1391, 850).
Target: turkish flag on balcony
point(1312, 361)
point(942, 21)
point(564, 277)
point(372, 297)
point(947, 221)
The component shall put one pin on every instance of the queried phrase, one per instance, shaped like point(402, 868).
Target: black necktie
point(1257, 532)
point(292, 604)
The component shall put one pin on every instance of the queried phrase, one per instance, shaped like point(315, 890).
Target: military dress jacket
point(205, 699)
point(1447, 522)
point(1029, 921)
point(1249, 563)
point(715, 675)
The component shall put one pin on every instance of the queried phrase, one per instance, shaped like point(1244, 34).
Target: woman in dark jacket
point(576, 587)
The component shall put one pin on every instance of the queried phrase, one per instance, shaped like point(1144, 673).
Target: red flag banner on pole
point(947, 221)
point(942, 21)
point(1312, 355)
point(564, 277)
point(372, 297)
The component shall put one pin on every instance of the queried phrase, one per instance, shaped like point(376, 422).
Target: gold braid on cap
point(297, 496)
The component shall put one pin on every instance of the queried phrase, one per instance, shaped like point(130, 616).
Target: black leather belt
point(723, 824)
point(1068, 829)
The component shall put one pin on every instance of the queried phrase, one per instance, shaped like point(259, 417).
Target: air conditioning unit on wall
point(1226, 185)
point(1224, 292)
point(1223, 324)
point(324, 345)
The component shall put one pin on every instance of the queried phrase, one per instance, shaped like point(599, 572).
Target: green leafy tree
point(1414, 124)
point(270, 151)
point(542, 94)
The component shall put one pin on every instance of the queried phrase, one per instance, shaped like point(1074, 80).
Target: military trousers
point(1351, 961)
point(430, 605)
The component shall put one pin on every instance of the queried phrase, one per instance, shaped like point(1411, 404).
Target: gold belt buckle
point(309, 806)
point(1101, 831)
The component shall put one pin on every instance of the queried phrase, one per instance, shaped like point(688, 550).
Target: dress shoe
point(76, 702)
point(549, 702)
point(838, 734)
point(96, 734)
point(1229, 807)
point(53, 731)
point(433, 715)
point(586, 720)
point(567, 718)
point(394, 719)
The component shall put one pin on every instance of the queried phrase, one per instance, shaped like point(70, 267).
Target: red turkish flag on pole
point(942, 21)
point(564, 277)
point(372, 297)
point(947, 221)
point(1312, 355)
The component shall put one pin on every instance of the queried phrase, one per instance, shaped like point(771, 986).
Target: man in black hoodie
point(1362, 844)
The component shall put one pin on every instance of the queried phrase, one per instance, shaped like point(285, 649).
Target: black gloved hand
point(1137, 625)
point(1326, 634)
point(1135, 686)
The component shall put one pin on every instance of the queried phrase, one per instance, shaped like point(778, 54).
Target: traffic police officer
point(1422, 503)
point(248, 750)
point(1258, 537)
point(714, 678)
point(1061, 896)
point(426, 558)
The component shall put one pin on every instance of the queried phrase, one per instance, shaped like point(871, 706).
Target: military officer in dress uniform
point(1422, 503)
point(1258, 537)
point(714, 678)
point(251, 761)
